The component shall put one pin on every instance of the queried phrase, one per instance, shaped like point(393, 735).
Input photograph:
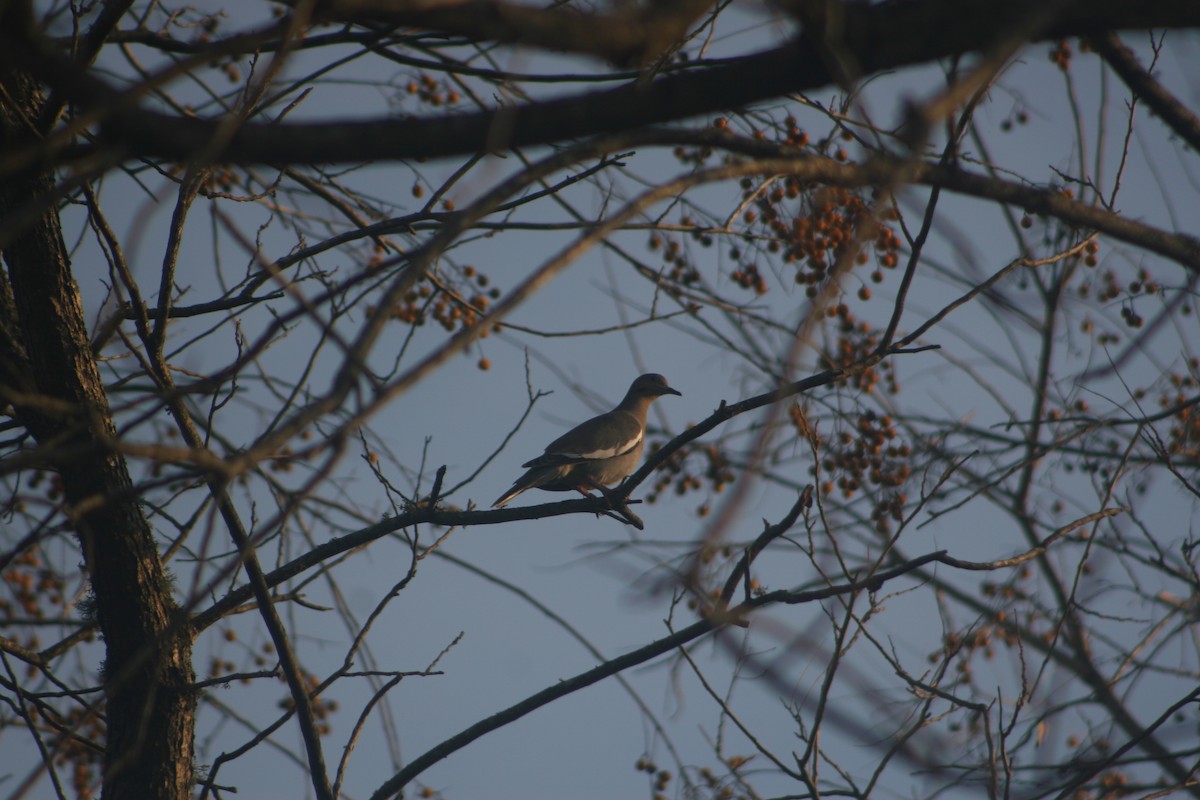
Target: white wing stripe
point(612, 452)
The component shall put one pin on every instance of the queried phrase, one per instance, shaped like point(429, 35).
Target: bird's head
point(652, 385)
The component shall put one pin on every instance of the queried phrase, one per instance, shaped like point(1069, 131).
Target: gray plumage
point(596, 453)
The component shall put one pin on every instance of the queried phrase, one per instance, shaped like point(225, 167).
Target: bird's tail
point(530, 480)
point(504, 499)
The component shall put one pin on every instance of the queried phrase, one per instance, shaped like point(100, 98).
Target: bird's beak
point(669, 390)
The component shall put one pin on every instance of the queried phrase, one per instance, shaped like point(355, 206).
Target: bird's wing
point(606, 436)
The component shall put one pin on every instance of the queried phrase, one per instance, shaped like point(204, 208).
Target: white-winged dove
point(597, 453)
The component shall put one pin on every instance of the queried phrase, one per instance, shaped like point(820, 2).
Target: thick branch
point(871, 39)
point(629, 36)
point(148, 671)
point(1144, 85)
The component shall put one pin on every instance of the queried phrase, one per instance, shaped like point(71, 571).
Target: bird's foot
point(619, 504)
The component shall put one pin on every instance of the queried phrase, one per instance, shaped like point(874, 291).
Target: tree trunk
point(150, 705)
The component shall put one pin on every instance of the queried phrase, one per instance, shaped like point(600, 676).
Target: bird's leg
point(586, 483)
point(591, 484)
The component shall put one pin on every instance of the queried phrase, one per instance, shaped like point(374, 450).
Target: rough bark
point(50, 376)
